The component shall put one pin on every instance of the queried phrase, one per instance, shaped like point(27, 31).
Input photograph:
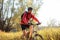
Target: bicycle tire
point(36, 36)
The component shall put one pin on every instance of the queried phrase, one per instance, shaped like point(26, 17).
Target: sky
point(49, 10)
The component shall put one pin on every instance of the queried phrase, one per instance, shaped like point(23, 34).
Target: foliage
point(15, 13)
point(52, 23)
point(47, 33)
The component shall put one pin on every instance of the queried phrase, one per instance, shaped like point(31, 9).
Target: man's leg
point(31, 30)
point(24, 30)
point(24, 33)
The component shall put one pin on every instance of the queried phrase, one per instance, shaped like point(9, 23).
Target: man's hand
point(39, 23)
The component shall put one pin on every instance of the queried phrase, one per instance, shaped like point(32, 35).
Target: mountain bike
point(35, 35)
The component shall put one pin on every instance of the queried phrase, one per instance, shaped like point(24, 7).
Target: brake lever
point(38, 24)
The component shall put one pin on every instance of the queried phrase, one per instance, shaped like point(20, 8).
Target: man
point(25, 20)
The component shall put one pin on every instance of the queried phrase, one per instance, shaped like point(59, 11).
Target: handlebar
point(33, 24)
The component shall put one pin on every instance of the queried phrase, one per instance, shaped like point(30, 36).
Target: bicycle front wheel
point(38, 37)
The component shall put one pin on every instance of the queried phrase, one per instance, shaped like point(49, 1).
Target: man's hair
point(30, 8)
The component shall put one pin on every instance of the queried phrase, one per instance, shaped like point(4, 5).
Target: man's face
point(29, 11)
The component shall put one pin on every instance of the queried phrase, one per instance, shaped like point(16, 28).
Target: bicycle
point(35, 35)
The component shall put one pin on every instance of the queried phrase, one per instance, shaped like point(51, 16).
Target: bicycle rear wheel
point(37, 37)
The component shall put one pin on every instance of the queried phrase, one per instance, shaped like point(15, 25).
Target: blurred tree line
point(11, 11)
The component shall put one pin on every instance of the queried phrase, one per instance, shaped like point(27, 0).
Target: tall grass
point(50, 33)
point(47, 33)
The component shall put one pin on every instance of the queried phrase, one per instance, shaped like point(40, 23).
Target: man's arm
point(35, 19)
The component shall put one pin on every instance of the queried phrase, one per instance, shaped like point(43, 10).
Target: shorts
point(24, 26)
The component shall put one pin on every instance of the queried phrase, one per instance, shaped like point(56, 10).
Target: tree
point(5, 13)
point(24, 4)
point(1, 8)
point(59, 23)
point(28, 3)
point(16, 13)
point(52, 23)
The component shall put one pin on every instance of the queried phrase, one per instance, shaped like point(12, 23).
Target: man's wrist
point(39, 22)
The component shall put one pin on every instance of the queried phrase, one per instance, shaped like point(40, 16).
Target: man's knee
point(24, 31)
point(31, 27)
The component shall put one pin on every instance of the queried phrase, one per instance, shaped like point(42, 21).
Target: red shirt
point(26, 17)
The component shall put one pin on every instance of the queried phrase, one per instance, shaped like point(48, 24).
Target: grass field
point(47, 33)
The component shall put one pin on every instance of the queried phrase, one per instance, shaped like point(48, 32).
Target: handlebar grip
point(30, 24)
point(33, 24)
point(38, 24)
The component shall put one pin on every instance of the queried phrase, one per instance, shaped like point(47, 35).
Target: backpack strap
point(23, 14)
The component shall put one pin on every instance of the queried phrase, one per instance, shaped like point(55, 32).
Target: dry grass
point(47, 33)
point(50, 33)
